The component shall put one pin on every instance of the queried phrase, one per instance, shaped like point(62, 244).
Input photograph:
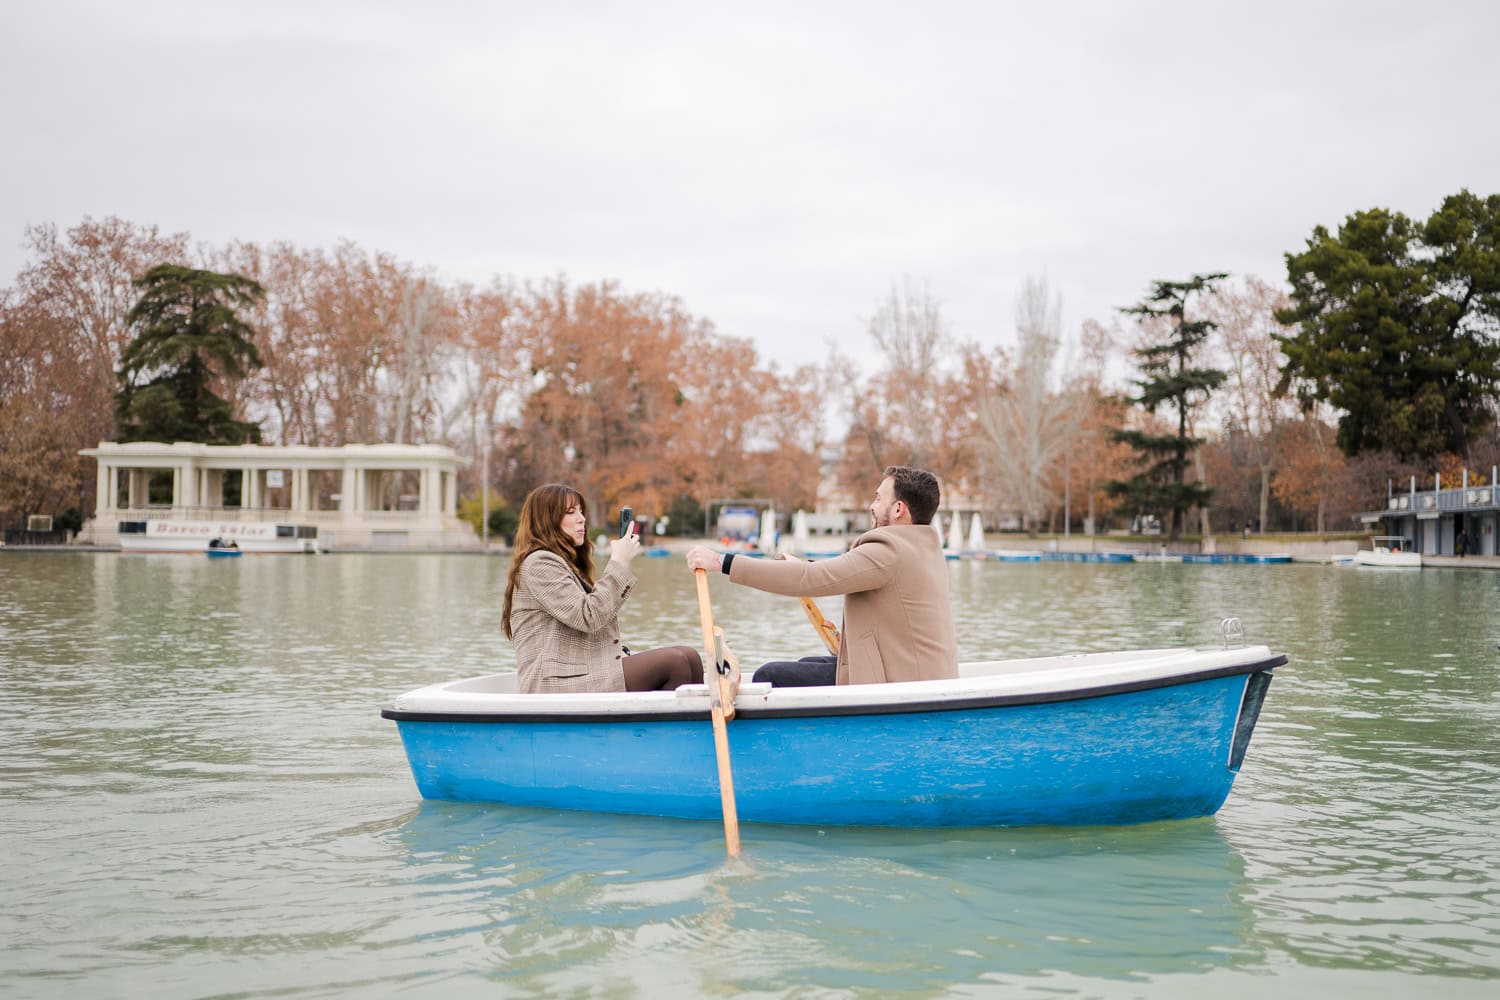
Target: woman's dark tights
point(663, 669)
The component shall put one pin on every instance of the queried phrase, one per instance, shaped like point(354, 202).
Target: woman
point(564, 623)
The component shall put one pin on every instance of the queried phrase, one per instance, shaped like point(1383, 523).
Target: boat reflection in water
point(564, 898)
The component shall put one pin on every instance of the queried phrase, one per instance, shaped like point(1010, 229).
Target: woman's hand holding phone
point(626, 547)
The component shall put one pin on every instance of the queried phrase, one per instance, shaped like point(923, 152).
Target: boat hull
point(1164, 751)
point(1388, 560)
point(1090, 557)
point(1221, 558)
point(176, 536)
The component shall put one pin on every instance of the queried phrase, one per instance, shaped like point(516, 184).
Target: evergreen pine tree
point(1168, 379)
point(188, 333)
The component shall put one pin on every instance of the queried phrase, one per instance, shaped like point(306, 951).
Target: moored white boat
point(1100, 738)
point(173, 535)
point(1389, 552)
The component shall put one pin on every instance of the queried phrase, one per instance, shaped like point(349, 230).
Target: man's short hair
point(917, 489)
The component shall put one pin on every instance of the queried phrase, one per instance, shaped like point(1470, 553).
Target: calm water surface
point(199, 798)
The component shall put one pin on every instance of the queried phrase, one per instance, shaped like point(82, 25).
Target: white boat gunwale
point(440, 703)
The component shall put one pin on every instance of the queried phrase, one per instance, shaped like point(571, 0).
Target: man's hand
point(703, 557)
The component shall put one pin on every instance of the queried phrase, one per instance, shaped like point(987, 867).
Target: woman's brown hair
point(541, 530)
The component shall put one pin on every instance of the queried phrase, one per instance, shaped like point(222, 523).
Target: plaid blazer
point(898, 625)
point(568, 639)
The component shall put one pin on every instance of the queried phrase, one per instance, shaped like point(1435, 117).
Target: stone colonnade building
point(358, 496)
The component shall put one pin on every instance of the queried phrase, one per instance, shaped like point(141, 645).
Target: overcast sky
point(776, 166)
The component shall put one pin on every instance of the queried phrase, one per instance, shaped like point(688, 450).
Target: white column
point(182, 485)
point(432, 497)
point(428, 502)
point(348, 501)
point(103, 480)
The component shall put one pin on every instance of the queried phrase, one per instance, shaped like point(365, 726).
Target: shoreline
point(1304, 552)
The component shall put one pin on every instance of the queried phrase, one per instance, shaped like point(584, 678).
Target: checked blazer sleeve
point(558, 591)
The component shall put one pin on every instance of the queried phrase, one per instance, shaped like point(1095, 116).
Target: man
point(898, 625)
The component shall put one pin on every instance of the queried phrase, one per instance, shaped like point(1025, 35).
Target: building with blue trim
point(1432, 521)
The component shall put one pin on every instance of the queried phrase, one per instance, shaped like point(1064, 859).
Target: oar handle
point(706, 617)
point(827, 630)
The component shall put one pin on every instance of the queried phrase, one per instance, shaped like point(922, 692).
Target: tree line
point(633, 399)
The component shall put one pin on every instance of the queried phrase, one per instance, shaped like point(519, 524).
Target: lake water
point(198, 797)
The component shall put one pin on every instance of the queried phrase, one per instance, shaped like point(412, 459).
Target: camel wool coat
point(898, 624)
point(567, 639)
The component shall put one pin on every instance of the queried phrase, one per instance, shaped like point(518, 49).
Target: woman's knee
point(692, 664)
point(663, 669)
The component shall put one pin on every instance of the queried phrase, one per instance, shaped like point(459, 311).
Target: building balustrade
point(1483, 498)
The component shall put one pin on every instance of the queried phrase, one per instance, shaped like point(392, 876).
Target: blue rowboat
point(1234, 557)
point(1100, 738)
point(1015, 555)
point(1089, 557)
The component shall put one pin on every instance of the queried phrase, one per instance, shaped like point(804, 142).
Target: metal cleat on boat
point(1234, 632)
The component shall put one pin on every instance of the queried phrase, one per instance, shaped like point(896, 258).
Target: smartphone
point(627, 518)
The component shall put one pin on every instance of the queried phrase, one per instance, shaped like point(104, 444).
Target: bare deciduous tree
point(909, 330)
point(1025, 428)
point(60, 341)
point(1246, 331)
point(417, 362)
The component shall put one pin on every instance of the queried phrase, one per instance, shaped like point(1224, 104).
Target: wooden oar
point(721, 708)
point(827, 630)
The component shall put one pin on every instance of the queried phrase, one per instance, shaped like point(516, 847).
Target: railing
point(163, 512)
point(15, 536)
point(1445, 501)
